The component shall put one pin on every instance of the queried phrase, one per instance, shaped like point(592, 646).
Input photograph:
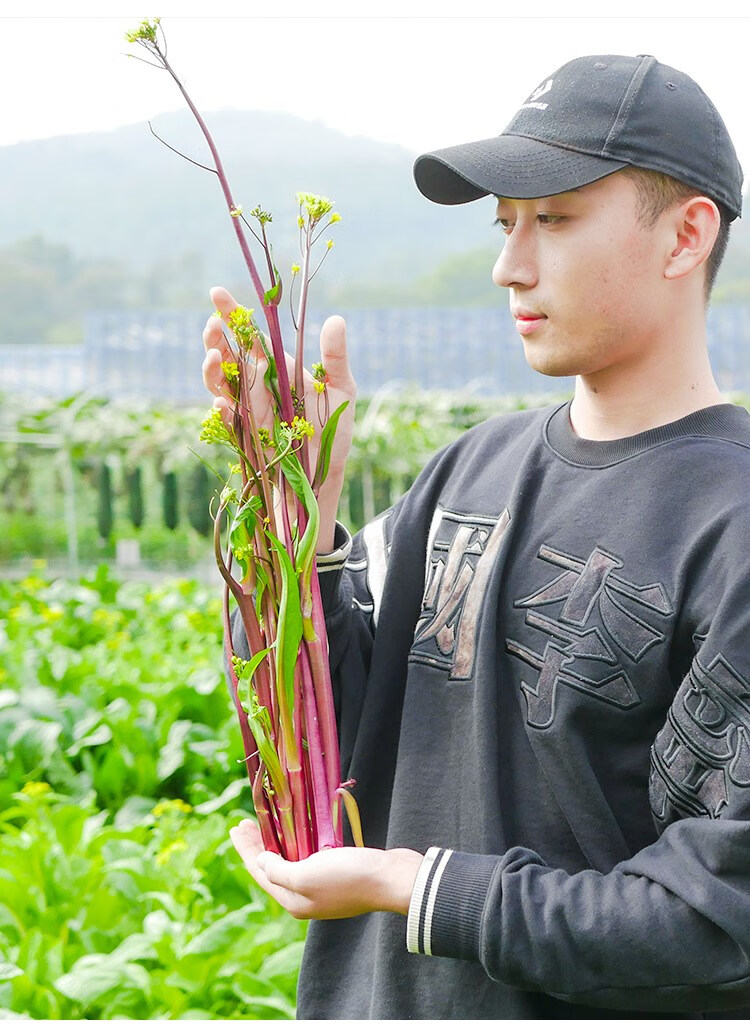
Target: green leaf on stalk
point(295, 476)
point(270, 377)
point(289, 627)
point(273, 295)
point(252, 664)
point(326, 443)
point(260, 727)
point(262, 584)
point(305, 550)
point(242, 532)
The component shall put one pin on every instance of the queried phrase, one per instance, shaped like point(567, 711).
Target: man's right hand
point(341, 387)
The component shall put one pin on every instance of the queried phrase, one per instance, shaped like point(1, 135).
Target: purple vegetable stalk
point(282, 694)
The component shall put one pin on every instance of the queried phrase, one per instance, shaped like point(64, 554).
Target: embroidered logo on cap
point(533, 100)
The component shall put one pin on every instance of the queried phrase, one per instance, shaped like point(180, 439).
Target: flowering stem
point(241, 238)
point(287, 720)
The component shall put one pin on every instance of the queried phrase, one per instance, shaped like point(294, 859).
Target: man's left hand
point(335, 883)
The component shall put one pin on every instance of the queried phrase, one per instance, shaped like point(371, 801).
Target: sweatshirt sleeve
point(352, 581)
point(667, 929)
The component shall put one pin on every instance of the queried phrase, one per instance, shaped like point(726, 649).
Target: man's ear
point(694, 226)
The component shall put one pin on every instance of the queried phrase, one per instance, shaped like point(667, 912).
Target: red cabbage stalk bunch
point(283, 694)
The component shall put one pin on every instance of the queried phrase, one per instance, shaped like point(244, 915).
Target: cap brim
point(506, 166)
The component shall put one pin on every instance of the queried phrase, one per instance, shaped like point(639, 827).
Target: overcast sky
point(422, 80)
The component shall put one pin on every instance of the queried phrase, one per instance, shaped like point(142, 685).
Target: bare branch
point(169, 147)
point(164, 40)
point(251, 230)
point(159, 67)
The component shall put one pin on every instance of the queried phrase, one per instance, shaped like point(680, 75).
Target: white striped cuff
point(423, 897)
point(329, 561)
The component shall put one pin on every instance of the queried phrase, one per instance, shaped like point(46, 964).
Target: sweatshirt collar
point(726, 421)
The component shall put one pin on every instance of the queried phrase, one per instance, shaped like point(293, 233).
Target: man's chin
point(552, 365)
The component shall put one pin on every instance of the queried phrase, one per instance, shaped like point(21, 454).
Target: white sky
point(416, 75)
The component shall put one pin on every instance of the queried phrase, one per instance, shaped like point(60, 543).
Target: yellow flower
point(51, 615)
point(295, 269)
point(32, 584)
point(236, 211)
point(213, 428)
point(231, 371)
point(36, 788)
point(335, 217)
point(243, 325)
point(180, 845)
point(106, 618)
point(116, 641)
point(171, 805)
point(329, 244)
point(315, 205)
point(301, 428)
point(146, 31)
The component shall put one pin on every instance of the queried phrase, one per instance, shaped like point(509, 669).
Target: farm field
point(121, 895)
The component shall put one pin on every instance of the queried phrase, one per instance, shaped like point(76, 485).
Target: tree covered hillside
point(116, 220)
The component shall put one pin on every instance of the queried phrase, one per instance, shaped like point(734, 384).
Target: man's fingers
point(217, 351)
point(222, 300)
point(226, 408)
point(278, 870)
point(213, 378)
point(334, 355)
point(246, 838)
point(214, 337)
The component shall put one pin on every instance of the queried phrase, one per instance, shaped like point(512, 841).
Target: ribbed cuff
point(447, 902)
point(331, 565)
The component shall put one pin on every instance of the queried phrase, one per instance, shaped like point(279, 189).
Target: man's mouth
point(527, 321)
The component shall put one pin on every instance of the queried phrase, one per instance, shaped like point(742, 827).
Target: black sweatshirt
point(541, 662)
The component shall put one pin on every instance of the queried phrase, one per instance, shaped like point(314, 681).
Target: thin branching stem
point(179, 152)
point(135, 57)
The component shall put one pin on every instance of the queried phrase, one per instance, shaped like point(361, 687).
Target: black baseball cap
point(590, 118)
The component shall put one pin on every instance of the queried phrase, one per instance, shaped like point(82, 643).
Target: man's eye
point(550, 220)
point(504, 223)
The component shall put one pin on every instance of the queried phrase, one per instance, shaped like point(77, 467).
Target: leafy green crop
point(121, 895)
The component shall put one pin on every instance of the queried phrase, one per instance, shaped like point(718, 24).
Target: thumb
point(334, 355)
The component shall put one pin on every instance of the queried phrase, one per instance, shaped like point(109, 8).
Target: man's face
point(593, 274)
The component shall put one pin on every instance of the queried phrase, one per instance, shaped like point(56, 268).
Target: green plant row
point(137, 470)
point(120, 776)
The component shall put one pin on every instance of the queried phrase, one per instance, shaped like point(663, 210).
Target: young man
point(541, 654)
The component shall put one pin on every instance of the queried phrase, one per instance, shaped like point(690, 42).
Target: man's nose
point(516, 264)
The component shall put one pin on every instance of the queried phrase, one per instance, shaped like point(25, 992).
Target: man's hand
point(341, 387)
point(335, 883)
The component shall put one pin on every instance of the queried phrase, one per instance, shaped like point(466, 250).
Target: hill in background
point(115, 219)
